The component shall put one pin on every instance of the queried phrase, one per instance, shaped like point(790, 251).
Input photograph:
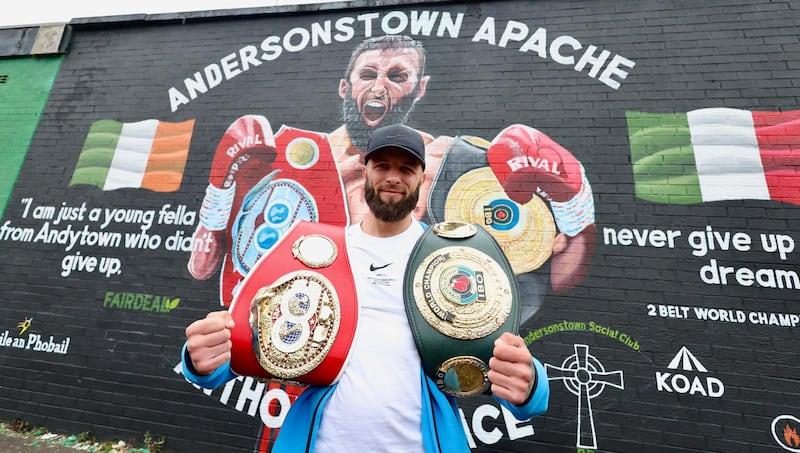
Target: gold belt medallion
point(524, 232)
point(294, 323)
point(315, 250)
point(462, 292)
point(463, 376)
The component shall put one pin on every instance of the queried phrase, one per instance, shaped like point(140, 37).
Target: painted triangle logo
point(686, 361)
point(683, 377)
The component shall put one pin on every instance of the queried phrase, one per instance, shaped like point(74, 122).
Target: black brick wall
point(119, 379)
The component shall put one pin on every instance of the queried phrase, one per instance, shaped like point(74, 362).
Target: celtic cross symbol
point(585, 377)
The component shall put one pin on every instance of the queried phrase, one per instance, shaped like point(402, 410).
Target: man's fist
point(511, 369)
point(208, 341)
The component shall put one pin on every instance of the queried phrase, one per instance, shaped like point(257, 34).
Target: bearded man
point(379, 397)
point(261, 183)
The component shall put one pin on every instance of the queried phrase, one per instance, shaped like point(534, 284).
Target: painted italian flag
point(715, 154)
point(148, 154)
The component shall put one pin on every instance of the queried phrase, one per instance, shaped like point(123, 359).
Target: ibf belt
point(460, 295)
point(296, 310)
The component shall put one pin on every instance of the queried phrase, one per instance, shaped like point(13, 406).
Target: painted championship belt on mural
point(466, 189)
point(460, 295)
point(296, 312)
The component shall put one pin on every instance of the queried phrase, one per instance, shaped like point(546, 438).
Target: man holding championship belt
point(383, 400)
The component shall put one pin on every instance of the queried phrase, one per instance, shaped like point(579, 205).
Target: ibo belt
point(460, 295)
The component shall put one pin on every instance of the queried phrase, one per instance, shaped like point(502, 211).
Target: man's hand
point(511, 369)
point(208, 341)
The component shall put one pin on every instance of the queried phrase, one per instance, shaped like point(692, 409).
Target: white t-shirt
point(377, 404)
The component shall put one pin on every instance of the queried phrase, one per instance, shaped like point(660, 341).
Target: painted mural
point(644, 190)
point(27, 84)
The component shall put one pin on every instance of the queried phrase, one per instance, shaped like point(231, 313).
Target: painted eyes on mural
point(398, 76)
point(395, 76)
point(368, 74)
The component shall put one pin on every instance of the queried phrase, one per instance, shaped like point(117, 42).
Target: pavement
point(41, 441)
point(22, 443)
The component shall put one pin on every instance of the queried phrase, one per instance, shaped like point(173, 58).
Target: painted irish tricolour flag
point(715, 154)
point(148, 154)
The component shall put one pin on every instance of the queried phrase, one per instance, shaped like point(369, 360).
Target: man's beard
point(356, 128)
point(389, 212)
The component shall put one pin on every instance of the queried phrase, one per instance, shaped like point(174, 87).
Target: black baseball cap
point(397, 136)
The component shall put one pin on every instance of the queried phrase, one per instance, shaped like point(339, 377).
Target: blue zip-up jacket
point(441, 424)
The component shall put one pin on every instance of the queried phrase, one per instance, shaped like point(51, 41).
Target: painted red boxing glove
point(248, 135)
point(242, 158)
point(527, 162)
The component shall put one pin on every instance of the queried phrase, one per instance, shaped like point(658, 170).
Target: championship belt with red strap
point(296, 311)
point(460, 296)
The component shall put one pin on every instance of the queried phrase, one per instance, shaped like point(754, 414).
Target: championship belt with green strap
point(460, 296)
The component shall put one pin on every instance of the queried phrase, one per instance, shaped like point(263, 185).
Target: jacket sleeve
point(538, 399)
point(211, 381)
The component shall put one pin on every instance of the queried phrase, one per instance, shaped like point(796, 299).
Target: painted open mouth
point(374, 111)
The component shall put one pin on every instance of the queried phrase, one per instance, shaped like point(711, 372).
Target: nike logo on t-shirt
point(373, 268)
